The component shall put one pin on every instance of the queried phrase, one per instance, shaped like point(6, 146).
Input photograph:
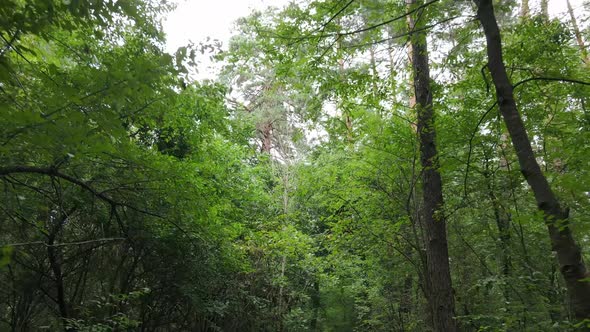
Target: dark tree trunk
point(55, 262)
point(441, 299)
point(59, 284)
point(569, 255)
point(266, 132)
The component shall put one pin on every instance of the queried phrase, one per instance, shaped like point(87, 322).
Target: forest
point(355, 165)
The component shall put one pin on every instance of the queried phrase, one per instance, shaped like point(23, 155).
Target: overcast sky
point(196, 20)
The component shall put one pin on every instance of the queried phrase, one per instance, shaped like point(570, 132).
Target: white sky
point(558, 8)
point(196, 20)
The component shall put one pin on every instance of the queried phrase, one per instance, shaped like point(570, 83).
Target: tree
point(303, 191)
point(121, 184)
point(578, 34)
point(556, 217)
point(440, 291)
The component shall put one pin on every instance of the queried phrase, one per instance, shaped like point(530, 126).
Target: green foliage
point(135, 199)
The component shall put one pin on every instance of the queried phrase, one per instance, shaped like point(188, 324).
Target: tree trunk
point(420, 240)
point(347, 118)
point(569, 254)
point(524, 9)
point(411, 27)
point(545, 9)
point(412, 99)
point(55, 263)
point(266, 130)
point(441, 298)
point(578, 34)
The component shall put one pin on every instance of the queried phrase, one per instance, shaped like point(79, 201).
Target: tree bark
point(441, 299)
point(411, 27)
point(55, 262)
point(578, 34)
point(569, 255)
point(524, 9)
point(266, 130)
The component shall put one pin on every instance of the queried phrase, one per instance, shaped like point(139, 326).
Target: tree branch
point(554, 79)
point(22, 244)
point(53, 171)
